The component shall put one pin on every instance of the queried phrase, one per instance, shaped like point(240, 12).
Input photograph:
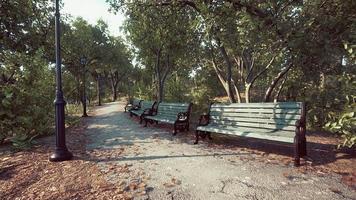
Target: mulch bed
point(29, 174)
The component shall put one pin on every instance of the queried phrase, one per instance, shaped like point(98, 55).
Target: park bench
point(177, 114)
point(135, 103)
point(283, 122)
point(143, 109)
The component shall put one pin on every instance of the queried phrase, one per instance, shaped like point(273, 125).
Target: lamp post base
point(61, 155)
point(85, 115)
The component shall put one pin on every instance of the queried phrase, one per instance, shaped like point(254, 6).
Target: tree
point(26, 77)
point(118, 64)
point(161, 40)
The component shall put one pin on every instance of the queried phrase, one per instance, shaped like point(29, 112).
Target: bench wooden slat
point(254, 133)
point(171, 111)
point(160, 119)
point(254, 125)
point(285, 133)
point(174, 104)
point(176, 109)
point(256, 115)
point(279, 121)
point(256, 110)
point(146, 104)
point(260, 105)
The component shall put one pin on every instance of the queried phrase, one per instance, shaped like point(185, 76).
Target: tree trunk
point(79, 92)
point(114, 83)
point(276, 97)
point(274, 82)
point(229, 87)
point(250, 81)
point(247, 92)
point(98, 89)
point(160, 91)
point(223, 82)
point(237, 91)
point(158, 77)
point(114, 98)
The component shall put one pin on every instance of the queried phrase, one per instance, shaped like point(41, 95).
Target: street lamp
point(83, 61)
point(61, 152)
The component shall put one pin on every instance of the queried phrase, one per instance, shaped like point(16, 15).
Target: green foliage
point(343, 120)
point(73, 109)
point(26, 102)
point(202, 97)
point(345, 125)
point(22, 142)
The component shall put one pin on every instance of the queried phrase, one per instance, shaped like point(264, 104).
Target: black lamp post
point(61, 152)
point(83, 61)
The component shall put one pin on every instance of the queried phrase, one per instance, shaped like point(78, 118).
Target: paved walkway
point(173, 168)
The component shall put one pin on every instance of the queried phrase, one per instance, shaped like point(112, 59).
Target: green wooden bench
point(143, 109)
point(283, 122)
point(177, 114)
point(134, 104)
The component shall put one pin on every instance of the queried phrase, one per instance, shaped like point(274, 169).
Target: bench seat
point(160, 119)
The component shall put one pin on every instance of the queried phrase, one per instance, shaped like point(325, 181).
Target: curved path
point(173, 168)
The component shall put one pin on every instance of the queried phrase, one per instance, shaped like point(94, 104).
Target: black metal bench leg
point(141, 119)
point(296, 151)
point(203, 134)
point(209, 136)
point(303, 147)
point(145, 123)
point(196, 137)
point(187, 127)
point(175, 130)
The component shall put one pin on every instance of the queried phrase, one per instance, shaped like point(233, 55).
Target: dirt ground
point(29, 174)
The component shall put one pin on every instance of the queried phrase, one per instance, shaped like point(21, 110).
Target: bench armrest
point(150, 112)
point(182, 116)
point(204, 120)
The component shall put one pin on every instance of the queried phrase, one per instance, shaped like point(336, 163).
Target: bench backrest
point(136, 102)
point(147, 105)
point(274, 116)
point(170, 110)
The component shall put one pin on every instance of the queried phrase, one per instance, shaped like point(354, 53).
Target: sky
point(92, 11)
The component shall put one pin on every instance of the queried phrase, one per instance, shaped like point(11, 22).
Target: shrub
point(344, 124)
